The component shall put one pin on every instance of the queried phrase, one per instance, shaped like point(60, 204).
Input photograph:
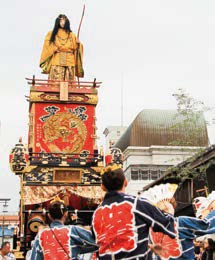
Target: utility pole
point(5, 204)
point(122, 108)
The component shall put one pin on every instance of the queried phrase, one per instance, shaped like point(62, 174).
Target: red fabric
point(50, 245)
point(111, 237)
point(62, 131)
point(170, 246)
point(108, 159)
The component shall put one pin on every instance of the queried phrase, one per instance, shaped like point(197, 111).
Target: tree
point(189, 120)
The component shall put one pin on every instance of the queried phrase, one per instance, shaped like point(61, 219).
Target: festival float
point(61, 159)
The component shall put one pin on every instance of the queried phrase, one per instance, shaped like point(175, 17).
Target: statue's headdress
point(62, 16)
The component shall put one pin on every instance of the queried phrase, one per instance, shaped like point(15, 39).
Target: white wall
point(153, 155)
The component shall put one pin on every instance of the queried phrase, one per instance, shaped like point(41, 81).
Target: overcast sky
point(148, 48)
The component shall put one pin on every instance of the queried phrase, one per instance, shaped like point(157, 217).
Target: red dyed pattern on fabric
point(51, 248)
point(170, 246)
point(114, 228)
point(38, 143)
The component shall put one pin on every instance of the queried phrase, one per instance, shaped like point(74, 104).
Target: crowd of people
point(127, 227)
point(204, 249)
point(123, 226)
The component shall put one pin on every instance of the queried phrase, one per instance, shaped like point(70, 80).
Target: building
point(155, 141)
point(8, 224)
point(112, 135)
point(195, 177)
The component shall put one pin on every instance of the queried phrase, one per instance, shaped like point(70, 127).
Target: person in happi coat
point(60, 241)
point(121, 223)
point(187, 229)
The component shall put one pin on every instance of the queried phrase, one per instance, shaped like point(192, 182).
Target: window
point(144, 174)
point(155, 174)
point(134, 174)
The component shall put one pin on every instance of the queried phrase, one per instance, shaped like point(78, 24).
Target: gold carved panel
point(67, 175)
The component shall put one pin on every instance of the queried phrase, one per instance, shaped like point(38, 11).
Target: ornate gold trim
point(68, 173)
point(97, 169)
point(92, 99)
point(29, 168)
point(79, 98)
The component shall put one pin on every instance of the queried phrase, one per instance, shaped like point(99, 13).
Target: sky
point(141, 50)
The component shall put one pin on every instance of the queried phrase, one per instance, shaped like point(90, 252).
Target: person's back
point(59, 241)
point(121, 223)
point(187, 229)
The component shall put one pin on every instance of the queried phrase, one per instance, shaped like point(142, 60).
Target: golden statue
point(62, 52)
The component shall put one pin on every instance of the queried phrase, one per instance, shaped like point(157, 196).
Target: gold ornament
point(68, 127)
point(111, 168)
point(56, 199)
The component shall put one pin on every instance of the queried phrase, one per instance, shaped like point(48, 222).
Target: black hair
point(4, 244)
point(210, 243)
point(113, 179)
point(57, 26)
point(57, 209)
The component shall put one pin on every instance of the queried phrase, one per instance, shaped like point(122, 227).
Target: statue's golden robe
point(65, 52)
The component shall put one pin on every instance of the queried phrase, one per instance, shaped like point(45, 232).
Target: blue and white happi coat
point(190, 228)
point(121, 225)
point(62, 242)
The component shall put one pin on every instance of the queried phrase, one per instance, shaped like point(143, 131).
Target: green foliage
point(186, 171)
point(188, 106)
point(189, 119)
